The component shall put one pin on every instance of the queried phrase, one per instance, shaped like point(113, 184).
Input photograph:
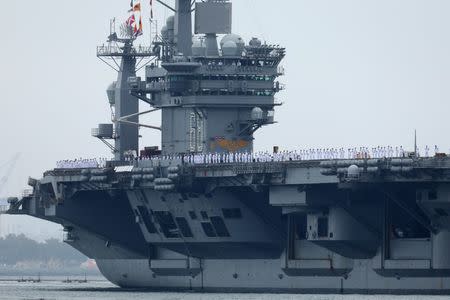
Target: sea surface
point(55, 288)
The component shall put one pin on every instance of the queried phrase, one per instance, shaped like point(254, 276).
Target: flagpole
point(415, 143)
point(151, 22)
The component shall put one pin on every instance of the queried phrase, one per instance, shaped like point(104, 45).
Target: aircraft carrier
point(155, 218)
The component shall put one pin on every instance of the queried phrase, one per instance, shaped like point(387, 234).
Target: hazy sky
point(358, 73)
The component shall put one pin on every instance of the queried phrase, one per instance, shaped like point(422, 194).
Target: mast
point(125, 128)
point(124, 104)
point(127, 134)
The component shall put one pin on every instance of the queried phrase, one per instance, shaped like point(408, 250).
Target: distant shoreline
point(57, 273)
point(52, 278)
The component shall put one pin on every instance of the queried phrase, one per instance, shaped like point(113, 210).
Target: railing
point(109, 50)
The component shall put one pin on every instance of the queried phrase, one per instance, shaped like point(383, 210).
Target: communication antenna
point(415, 144)
point(126, 32)
point(153, 32)
point(112, 26)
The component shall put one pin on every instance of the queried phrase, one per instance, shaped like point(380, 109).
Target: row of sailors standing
point(264, 156)
point(81, 163)
point(154, 158)
point(261, 156)
point(246, 157)
point(296, 155)
point(214, 158)
point(352, 153)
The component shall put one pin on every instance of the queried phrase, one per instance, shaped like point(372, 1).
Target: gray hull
point(266, 276)
point(335, 236)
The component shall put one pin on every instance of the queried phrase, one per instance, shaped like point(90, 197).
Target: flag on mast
point(137, 7)
point(135, 20)
point(130, 21)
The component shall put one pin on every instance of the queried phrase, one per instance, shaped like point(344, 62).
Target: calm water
point(11, 290)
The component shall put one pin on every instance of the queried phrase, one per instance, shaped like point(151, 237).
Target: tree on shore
point(14, 249)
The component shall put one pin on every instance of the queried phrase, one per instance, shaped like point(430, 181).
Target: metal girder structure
point(360, 219)
point(422, 221)
point(110, 65)
point(140, 125)
point(139, 67)
point(252, 127)
point(166, 5)
point(192, 6)
point(109, 145)
point(124, 119)
point(138, 114)
point(118, 69)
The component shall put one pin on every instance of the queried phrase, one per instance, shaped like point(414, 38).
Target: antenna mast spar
point(122, 56)
point(126, 60)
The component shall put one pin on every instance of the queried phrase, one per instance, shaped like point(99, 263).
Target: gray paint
point(126, 134)
point(307, 264)
point(275, 244)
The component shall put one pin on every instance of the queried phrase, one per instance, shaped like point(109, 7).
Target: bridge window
point(208, 229)
point(147, 220)
point(220, 227)
point(167, 223)
point(184, 227)
point(300, 227)
point(322, 227)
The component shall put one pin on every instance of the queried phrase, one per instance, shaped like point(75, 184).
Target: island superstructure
point(365, 225)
